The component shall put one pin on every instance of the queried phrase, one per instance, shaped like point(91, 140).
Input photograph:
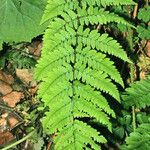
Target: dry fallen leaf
point(5, 88)
point(6, 137)
point(12, 122)
point(13, 98)
point(4, 115)
point(3, 124)
point(6, 78)
point(33, 90)
point(35, 48)
point(25, 75)
point(142, 75)
point(148, 48)
point(37, 52)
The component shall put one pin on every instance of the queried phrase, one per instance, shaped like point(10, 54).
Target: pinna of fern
point(139, 139)
point(75, 72)
point(138, 94)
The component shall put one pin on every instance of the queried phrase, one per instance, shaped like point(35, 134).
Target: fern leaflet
point(140, 139)
point(138, 94)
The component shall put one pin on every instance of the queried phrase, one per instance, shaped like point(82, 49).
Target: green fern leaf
point(142, 15)
point(104, 43)
point(94, 97)
point(140, 139)
point(138, 94)
point(76, 72)
point(109, 2)
point(20, 59)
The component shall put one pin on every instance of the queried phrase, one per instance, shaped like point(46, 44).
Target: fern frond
point(76, 72)
point(138, 94)
point(140, 139)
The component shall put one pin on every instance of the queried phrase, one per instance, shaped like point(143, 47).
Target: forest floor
point(18, 98)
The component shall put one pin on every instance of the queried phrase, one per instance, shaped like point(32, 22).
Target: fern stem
point(135, 11)
point(130, 40)
point(73, 82)
point(130, 32)
point(147, 2)
point(132, 73)
point(134, 119)
point(20, 141)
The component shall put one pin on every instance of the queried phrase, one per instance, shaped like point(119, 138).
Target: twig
point(130, 40)
point(135, 11)
point(3, 106)
point(147, 2)
point(98, 27)
point(50, 143)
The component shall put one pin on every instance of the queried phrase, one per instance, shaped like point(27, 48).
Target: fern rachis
point(75, 71)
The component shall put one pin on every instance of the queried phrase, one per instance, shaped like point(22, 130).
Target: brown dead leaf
point(6, 137)
point(25, 75)
point(5, 88)
point(33, 90)
point(148, 48)
point(13, 98)
point(4, 115)
point(6, 78)
point(37, 51)
point(35, 48)
point(12, 122)
point(3, 124)
point(142, 75)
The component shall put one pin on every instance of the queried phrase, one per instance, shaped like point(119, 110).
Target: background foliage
point(20, 20)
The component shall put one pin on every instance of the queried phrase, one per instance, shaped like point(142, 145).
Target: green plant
point(20, 59)
point(144, 29)
point(140, 139)
point(76, 72)
point(137, 95)
point(17, 57)
point(136, 125)
point(20, 20)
